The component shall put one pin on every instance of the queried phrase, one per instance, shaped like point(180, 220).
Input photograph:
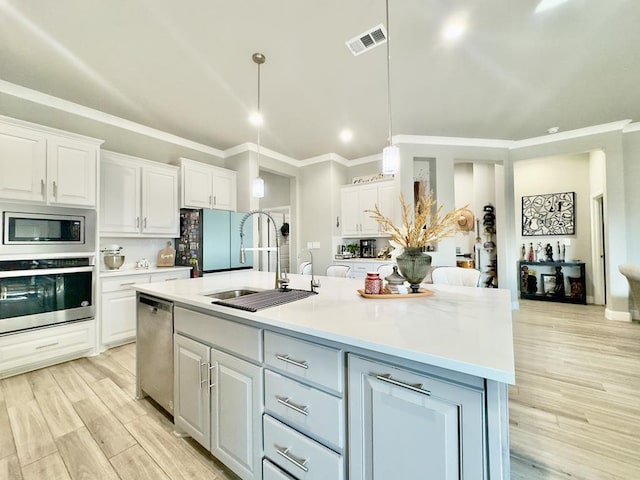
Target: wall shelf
point(573, 289)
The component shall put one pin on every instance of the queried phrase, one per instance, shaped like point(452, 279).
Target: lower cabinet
point(191, 389)
point(236, 414)
point(118, 303)
point(408, 425)
point(24, 351)
point(218, 401)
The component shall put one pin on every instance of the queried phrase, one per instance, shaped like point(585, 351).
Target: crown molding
point(451, 141)
point(631, 127)
point(624, 126)
point(570, 134)
point(108, 119)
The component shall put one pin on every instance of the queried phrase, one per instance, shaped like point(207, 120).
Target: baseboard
point(616, 315)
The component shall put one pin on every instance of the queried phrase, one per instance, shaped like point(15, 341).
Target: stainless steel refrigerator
point(210, 241)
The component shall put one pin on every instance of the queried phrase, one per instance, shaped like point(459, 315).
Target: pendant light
point(391, 153)
point(257, 186)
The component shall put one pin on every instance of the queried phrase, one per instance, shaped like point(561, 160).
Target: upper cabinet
point(138, 197)
point(206, 186)
point(355, 199)
point(43, 165)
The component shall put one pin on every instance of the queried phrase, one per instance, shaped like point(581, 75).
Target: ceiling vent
point(367, 40)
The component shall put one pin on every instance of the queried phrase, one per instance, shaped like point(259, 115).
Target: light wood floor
point(575, 408)
point(79, 420)
point(575, 411)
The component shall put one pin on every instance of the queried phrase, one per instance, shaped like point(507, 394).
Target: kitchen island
point(341, 386)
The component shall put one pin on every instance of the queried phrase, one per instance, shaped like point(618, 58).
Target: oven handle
point(44, 271)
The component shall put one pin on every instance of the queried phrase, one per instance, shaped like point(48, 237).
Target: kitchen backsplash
point(135, 249)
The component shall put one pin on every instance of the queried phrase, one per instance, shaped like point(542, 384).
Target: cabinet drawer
point(299, 455)
point(234, 337)
point(316, 413)
point(169, 275)
point(24, 351)
point(271, 472)
point(305, 360)
point(123, 282)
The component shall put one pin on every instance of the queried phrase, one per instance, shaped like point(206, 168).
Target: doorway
point(598, 252)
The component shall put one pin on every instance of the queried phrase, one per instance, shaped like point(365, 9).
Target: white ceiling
point(185, 68)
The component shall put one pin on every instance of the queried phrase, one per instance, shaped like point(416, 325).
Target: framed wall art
point(548, 214)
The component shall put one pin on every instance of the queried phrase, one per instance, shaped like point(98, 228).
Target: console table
point(538, 281)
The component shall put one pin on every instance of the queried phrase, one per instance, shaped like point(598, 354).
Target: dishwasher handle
point(156, 303)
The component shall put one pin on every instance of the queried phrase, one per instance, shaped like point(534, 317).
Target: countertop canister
point(373, 284)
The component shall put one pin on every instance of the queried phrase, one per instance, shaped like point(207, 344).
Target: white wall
point(464, 195)
point(319, 205)
point(135, 249)
point(563, 173)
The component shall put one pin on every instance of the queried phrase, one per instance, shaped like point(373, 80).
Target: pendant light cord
point(388, 71)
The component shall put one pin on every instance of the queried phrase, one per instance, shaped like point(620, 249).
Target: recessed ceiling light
point(455, 27)
point(256, 118)
point(553, 130)
point(346, 135)
point(548, 5)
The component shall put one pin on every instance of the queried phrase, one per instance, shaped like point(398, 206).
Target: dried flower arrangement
point(423, 227)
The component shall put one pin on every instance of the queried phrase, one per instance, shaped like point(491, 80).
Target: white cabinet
point(216, 386)
point(236, 414)
point(21, 352)
point(207, 186)
point(138, 197)
point(191, 389)
point(118, 304)
point(304, 421)
point(355, 199)
point(54, 167)
point(404, 424)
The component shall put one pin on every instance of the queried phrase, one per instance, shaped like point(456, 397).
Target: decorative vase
point(414, 266)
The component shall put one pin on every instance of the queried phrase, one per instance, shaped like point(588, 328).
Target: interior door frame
point(598, 258)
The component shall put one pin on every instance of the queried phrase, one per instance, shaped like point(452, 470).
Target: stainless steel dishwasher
point(154, 350)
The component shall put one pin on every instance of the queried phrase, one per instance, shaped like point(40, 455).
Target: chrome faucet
point(314, 283)
point(281, 279)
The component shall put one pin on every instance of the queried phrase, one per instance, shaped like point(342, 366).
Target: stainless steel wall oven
point(37, 293)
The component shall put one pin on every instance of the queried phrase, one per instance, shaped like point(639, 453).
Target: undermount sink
point(226, 294)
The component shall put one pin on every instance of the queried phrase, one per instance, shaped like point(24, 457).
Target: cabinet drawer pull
point(42, 187)
point(210, 200)
point(211, 384)
point(127, 284)
point(415, 387)
point(47, 345)
point(285, 358)
point(137, 222)
point(298, 462)
point(169, 279)
point(55, 190)
point(145, 223)
point(200, 379)
point(215, 200)
point(303, 409)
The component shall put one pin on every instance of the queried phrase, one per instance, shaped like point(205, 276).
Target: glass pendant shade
point(257, 188)
point(390, 160)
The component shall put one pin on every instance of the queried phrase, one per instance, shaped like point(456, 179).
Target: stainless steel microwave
point(35, 229)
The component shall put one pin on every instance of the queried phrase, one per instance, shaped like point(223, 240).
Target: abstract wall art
point(548, 214)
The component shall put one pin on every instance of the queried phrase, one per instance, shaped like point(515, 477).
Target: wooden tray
point(423, 292)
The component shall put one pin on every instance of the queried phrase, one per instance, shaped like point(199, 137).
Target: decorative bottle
point(523, 255)
point(373, 284)
point(531, 257)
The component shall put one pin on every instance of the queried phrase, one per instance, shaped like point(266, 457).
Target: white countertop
point(464, 329)
point(123, 271)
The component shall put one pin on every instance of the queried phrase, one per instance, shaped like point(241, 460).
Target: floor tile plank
point(83, 457)
point(7, 446)
point(173, 454)
point(50, 467)
point(10, 468)
point(30, 431)
point(136, 464)
point(58, 412)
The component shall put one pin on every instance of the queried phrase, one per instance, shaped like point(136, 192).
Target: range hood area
point(210, 241)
